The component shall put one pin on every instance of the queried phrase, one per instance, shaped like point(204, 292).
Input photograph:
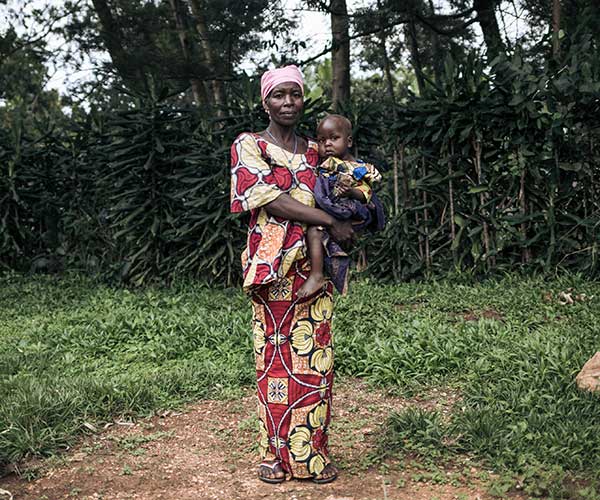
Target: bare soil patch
point(490, 314)
point(207, 451)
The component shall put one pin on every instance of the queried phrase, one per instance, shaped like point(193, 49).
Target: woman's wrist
point(330, 221)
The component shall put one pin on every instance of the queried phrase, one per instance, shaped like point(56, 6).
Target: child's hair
point(342, 121)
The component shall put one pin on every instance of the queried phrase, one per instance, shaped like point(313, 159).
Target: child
point(343, 189)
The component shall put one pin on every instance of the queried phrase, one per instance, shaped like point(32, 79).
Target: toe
point(269, 472)
point(329, 471)
point(265, 472)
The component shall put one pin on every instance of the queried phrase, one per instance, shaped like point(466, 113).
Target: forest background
point(487, 139)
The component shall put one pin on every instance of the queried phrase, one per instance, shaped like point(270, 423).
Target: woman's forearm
point(288, 207)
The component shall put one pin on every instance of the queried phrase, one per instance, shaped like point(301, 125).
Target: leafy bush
point(415, 430)
point(496, 169)
point(136, 193)
point(35, 188)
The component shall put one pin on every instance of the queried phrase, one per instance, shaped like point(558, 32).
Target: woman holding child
point(274, 176)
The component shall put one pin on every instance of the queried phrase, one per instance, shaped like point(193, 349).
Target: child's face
point(333, 139)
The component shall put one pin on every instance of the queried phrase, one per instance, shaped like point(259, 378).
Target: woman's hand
point(342, 231)
point(291, 209)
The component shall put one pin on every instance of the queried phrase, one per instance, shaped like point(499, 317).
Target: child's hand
point(342, 185)
point(343, 190)
point(352, 193)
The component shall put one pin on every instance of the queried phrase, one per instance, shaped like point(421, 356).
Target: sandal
point(324, 480)
point(270, 467)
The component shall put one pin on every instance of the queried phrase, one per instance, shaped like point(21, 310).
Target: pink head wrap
point(274, 77)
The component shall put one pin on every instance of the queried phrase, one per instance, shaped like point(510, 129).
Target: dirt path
point(208, 452)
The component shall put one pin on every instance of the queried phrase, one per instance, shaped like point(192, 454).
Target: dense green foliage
point(490, 153)
point(135, 194)
point(499, 169)
point(494, 169)
point(76, 351)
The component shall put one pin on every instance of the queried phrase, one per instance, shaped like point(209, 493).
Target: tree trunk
point(438, 58)
point(411, 34)
point(525, 253)
point(556, 29)
point(340, 54)
point(407, 198)
point(392, 95)
point(388, 72)
point(112, 36)
point(181, 23)
point(217, 86)
point(426, 220)
point(482, 199)
point(396, 194)
point(451, 202)
point(486, 16)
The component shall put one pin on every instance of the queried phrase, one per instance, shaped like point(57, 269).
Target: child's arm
point(365, 174)
point(353, 193)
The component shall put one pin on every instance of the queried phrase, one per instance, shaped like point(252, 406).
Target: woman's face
point(284, 104)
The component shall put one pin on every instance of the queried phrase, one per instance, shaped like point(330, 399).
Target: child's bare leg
point(316, 280)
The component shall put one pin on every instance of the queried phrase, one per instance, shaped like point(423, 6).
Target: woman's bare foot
point(270, 471)
point(328, 475)
point(313, 284)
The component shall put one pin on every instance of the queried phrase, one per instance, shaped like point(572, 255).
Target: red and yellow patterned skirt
point(293, 344)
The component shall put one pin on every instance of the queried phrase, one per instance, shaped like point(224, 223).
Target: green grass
point(516, 373)
point(76, 351)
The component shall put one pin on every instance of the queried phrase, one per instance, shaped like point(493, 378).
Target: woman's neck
point(285, 135)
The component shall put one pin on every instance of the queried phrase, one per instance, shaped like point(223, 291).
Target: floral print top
point(260, 173)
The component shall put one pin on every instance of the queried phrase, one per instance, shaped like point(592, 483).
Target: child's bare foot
point(313, 284)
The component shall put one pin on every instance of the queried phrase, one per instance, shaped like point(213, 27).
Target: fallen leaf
point(90, 427)
point(6, 493)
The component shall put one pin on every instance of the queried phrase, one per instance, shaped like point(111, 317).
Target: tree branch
point(423, 19)
point(323, 6)
point(43, 35)
point(454, 31)
point(372, 31)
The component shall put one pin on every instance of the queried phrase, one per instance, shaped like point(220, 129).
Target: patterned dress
point(293, 342)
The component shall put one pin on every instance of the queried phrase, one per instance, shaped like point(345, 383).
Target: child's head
point(334, 135)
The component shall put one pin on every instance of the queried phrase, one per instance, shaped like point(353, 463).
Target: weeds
point(514, 366)
point(74, 351)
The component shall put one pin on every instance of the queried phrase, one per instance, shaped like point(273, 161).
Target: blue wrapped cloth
point(364, 216)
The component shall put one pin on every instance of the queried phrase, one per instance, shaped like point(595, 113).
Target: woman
point(273, 177)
